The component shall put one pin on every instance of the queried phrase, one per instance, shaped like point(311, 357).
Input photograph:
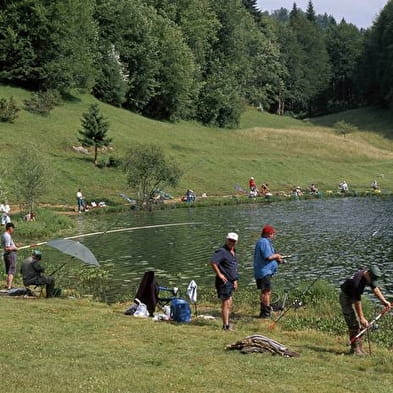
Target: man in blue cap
point(351, 304)
point(32, 270)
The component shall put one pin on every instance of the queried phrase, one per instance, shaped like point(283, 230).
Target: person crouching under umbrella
point(32, 270)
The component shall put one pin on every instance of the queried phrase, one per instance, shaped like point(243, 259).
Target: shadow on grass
point(70, 98)
point(325, 350)
point(372, 119)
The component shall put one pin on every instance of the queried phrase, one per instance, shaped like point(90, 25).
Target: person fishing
point(351, 304)
point(224, 264)
point(32, 270)
point(266, 262)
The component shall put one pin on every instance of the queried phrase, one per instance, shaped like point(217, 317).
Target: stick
point(373, 322)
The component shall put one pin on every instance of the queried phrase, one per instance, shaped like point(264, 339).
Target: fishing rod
point(112, 231)
point(297, 303)
point(372, 323)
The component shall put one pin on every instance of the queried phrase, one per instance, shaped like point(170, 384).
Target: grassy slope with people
point(278, 150)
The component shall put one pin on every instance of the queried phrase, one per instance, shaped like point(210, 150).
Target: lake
point(329, 237)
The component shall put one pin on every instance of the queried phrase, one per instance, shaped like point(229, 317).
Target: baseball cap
point(267, 229)
point(375, 274)
point(233, 236)
point(37, 253)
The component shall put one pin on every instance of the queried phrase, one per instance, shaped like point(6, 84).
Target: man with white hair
point(224, 264)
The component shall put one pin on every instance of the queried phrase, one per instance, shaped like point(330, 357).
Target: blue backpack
point(180, 310)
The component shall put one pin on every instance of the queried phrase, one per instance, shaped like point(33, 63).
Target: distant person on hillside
point(314, 189)
point(344, 187)
point(79, 201)
point(29, 217)
point(264, 190)
point(4, 212)
point(251, 183)
point(374, 185)
point(297, 191)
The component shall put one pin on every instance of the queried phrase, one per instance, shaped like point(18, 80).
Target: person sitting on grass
point(32, 270)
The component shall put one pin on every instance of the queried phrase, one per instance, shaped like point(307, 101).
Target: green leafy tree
point(377, 63)
point(148, 169)
point(343, 128)
point(47, 44)
point(345, 47)
point(94, 130)
point(8, 109)
point(159, 64)
point(30, 176)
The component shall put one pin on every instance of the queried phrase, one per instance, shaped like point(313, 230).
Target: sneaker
point(227, 327)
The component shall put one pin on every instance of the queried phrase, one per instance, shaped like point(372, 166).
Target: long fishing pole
point(113, 231)
point(372, 323)
point(296, 303)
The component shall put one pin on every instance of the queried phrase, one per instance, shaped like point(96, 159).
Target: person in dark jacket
point(351, 304)
point(32, 270)
point(224, 264)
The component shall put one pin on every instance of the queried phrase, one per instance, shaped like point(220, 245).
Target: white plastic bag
point(141, 310)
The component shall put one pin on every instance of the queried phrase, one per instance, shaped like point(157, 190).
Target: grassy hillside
point(278, 150)
point(79, 346)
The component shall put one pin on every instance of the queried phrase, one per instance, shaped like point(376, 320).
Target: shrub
point(8, 110)
point(42, 102)
point(344, 128)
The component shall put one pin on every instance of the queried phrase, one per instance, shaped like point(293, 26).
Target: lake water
point(333, 237)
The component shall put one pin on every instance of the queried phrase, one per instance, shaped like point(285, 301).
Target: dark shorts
point(265, 283)
point(10, 263)
point(224, 291)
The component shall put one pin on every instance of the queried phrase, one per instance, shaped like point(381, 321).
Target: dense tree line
point(197, 59)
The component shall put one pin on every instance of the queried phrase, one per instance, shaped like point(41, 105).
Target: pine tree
point(252, 7)
point(310, 13)
point(294, 12)
point(94, 130)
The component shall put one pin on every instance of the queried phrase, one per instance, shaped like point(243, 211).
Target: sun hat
point(268, 229)
point(375, 274)
point(233, 236)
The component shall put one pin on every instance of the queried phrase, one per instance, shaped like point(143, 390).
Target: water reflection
point(331, 237)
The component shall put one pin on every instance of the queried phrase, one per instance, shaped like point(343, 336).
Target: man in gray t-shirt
point(9, 249)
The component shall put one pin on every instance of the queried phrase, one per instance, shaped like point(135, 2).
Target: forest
point(202, 60)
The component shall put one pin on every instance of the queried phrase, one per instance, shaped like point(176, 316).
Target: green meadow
point(281, 151)
point(75, 345)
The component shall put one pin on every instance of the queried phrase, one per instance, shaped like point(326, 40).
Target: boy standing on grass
point(224, 264)
point(9, 249)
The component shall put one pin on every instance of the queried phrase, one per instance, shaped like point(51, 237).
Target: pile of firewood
point(261, 344)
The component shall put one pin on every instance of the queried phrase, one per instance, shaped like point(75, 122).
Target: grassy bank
point(65, 345)
point(278, 150)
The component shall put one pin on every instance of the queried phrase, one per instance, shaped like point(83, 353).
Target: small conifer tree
point(94, 130)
